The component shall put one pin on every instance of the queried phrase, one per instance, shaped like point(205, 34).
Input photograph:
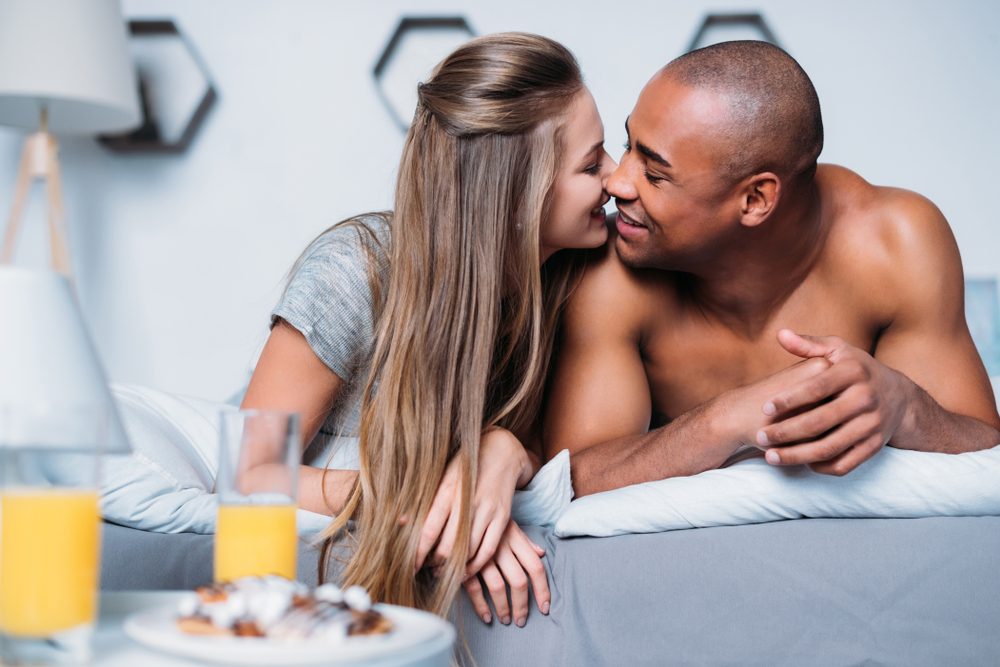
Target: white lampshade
point(71, 57)
point(47, 360)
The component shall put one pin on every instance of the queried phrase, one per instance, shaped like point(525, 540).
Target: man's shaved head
point(775, 122)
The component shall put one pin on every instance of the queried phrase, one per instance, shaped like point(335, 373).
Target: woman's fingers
point(448, 535)
point(474, 587)
point(527, 554)
point(495, 584)
point(516, 565)
point(517, 580)
point(437, 517)
point(487, 548)
point(482, 517)
point(429, 534)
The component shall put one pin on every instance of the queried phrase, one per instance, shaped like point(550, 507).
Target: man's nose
point(619, 183)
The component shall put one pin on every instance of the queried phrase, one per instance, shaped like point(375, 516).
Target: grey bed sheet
point(803, 592)
point(141, 560)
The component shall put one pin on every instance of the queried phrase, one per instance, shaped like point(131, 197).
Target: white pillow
point(166, 484)
point(894, 483)
point(547, 494)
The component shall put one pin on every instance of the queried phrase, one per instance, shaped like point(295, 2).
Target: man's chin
point(631, 255)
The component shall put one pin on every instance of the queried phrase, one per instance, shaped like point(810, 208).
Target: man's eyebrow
point(647, 151)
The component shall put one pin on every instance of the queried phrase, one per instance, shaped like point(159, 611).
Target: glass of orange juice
point(49, 532)
point(257, 485)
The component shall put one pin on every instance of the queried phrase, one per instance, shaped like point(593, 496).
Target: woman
point(503, 166)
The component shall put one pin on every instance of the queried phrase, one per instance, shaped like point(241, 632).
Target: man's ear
point(759, 198)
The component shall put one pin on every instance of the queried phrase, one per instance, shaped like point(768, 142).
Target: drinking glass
point(49, 532)
point(257, 486)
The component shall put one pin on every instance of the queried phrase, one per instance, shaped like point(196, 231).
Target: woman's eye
point(595, 167)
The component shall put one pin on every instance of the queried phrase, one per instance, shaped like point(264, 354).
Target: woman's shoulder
point(329, 293)
point(360, 229)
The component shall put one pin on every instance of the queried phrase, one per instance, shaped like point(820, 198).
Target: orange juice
point(49, 543)
point(254, 540)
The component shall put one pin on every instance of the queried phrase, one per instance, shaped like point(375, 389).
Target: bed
point(801, 592)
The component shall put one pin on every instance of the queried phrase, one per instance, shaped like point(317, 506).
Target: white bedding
point(894, 483)
point(166, 484)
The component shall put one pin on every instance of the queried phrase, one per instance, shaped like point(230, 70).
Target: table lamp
point(47, 358)
point(64, 68)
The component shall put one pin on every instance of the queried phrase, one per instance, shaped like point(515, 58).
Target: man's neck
point(744, 286)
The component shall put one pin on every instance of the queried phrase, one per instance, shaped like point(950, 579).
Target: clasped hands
point(500, 554)
point(832, 411)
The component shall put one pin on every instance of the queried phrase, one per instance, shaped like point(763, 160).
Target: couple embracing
point(744, 300)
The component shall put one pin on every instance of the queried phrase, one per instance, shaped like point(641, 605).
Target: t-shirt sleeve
point(328, 300)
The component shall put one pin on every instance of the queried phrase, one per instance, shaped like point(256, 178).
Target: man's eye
point(627, 146)
point(653, 179)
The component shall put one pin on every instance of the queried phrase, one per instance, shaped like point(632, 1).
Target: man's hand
point(841, 417)
point(739, 409)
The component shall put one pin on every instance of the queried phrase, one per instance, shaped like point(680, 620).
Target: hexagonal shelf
point(416, 46)
point(175, 90)
point(717, 28)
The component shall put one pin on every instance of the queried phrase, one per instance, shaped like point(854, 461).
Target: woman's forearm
point(325, 494)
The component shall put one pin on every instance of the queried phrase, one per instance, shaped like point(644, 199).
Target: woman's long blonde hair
point(466, 324)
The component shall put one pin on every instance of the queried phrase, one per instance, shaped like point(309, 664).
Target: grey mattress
point(804, 592)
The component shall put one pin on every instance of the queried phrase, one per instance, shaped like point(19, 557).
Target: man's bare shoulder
point(614, 299)
point(890, 220)
point(890, 235)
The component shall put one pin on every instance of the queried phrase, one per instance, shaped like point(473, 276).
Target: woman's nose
point(618, 183)
point(608, 166)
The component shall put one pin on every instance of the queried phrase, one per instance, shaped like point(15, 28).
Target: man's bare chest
point(693, 359)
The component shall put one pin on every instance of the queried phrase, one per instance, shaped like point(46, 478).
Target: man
point(754, 299)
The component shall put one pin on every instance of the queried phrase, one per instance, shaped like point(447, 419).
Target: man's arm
point(924, 389)
point(599, 402)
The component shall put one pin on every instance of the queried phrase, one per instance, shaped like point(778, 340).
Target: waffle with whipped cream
point(275, 607)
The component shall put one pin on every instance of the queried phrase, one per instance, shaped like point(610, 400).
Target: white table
point(113, 648)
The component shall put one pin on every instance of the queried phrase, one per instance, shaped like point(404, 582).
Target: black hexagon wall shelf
point(416, 46)
point(175, 90)
point(731, 26)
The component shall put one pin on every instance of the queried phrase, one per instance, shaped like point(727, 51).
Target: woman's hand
point(517, 562)
point(504, 466)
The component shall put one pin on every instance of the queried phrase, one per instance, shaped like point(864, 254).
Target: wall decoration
point(717, 28)
point(416, 46)
point(175, 90)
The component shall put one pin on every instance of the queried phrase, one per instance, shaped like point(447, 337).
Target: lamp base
point(39, 161)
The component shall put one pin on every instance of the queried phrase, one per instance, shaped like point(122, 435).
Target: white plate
point(157, 629)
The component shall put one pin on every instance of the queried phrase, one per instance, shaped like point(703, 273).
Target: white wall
point(179, 258)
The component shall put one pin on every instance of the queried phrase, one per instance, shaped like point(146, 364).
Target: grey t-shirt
point(329, 301)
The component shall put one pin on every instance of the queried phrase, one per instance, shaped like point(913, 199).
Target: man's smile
point(628, 227)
